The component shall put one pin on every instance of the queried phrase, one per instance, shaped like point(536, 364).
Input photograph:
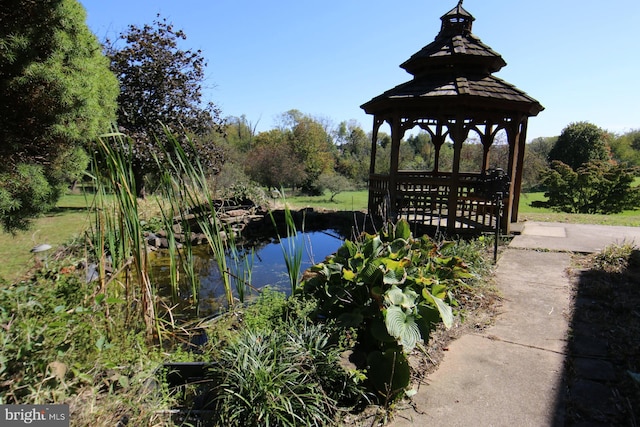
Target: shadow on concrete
point(603, 351)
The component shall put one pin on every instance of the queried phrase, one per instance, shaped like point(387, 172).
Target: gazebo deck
point(436, 200)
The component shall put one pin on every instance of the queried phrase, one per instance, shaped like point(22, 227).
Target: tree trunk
point(138, 176)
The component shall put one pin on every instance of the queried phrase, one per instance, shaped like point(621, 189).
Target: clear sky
point(579, 58)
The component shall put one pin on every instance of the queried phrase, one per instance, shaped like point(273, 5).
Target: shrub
point(580, 143)
point(595, 187)
point(392, 289)
point(615, 258)
point(62, 343)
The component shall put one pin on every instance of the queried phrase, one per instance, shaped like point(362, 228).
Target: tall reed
point(116, 234)
point(292, 250)
point(186, 182)
point(241, 267)
point(172, 209)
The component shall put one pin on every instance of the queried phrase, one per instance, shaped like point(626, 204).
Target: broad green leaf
point(394, 296)
point(398, 249)
point(439, 290)
point(350, 320)
point(348, 249)
point(100, 342)
point(371, 273)
point(447, 244)
point(446, 314)
point(403, 327)
point(395, 271)
point(348, 275)
point(379, 331)
point(123, 380)
point(372, 247)
point(404, 298)
point(428, 319)
point(394, 277)
point(356, 262)
point(403, 229)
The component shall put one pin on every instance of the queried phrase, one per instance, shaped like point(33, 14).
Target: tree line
point(62, 88)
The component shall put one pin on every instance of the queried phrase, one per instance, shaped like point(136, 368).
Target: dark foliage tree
point(56, 95)
point(580, 143)
point(595, 187)
point(161, 86)
point(273, 163)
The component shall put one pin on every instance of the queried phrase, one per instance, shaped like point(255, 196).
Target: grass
point(346, 201)
point(70, 219)
point(529, 213)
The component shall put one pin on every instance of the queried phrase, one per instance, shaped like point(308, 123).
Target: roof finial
point(460, 3)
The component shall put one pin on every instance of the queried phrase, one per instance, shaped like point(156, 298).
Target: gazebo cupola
point(453, 93)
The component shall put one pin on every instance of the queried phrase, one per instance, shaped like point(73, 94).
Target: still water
point(265, 259)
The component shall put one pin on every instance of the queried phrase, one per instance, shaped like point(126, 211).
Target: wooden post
point(487, 142)
point(458, 134)
point(396, 137)
point(437, 139)
point(372, 161)
point(516, 181)
point(516, 153)
point(374, 144)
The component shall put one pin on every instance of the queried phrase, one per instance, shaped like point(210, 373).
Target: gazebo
point(453, 94)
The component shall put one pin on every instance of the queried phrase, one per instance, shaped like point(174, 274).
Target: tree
point(334, 183)
point(161, 85)
point(580, 143)
point(626, 148)
point(312, 144)
point(354, 152)
point(240, 133)
point(595, 187)
point(57, 95)
point(272, 162)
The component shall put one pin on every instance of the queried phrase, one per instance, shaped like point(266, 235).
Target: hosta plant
point(393, 289)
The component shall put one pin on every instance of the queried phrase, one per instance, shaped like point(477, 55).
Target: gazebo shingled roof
point(452, 93)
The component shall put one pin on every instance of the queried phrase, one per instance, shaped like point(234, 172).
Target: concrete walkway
point(511, 373)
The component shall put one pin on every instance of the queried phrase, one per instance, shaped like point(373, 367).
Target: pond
point(265, 259)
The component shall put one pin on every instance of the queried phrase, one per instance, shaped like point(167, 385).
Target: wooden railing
point(426, 198)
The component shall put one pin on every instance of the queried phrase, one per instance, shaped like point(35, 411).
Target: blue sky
point(579, 58)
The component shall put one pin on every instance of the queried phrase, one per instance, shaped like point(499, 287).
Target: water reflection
point(268, 269)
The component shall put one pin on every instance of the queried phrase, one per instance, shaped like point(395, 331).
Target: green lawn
point(347, 201)
point(69, 219)
point(529, 213)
